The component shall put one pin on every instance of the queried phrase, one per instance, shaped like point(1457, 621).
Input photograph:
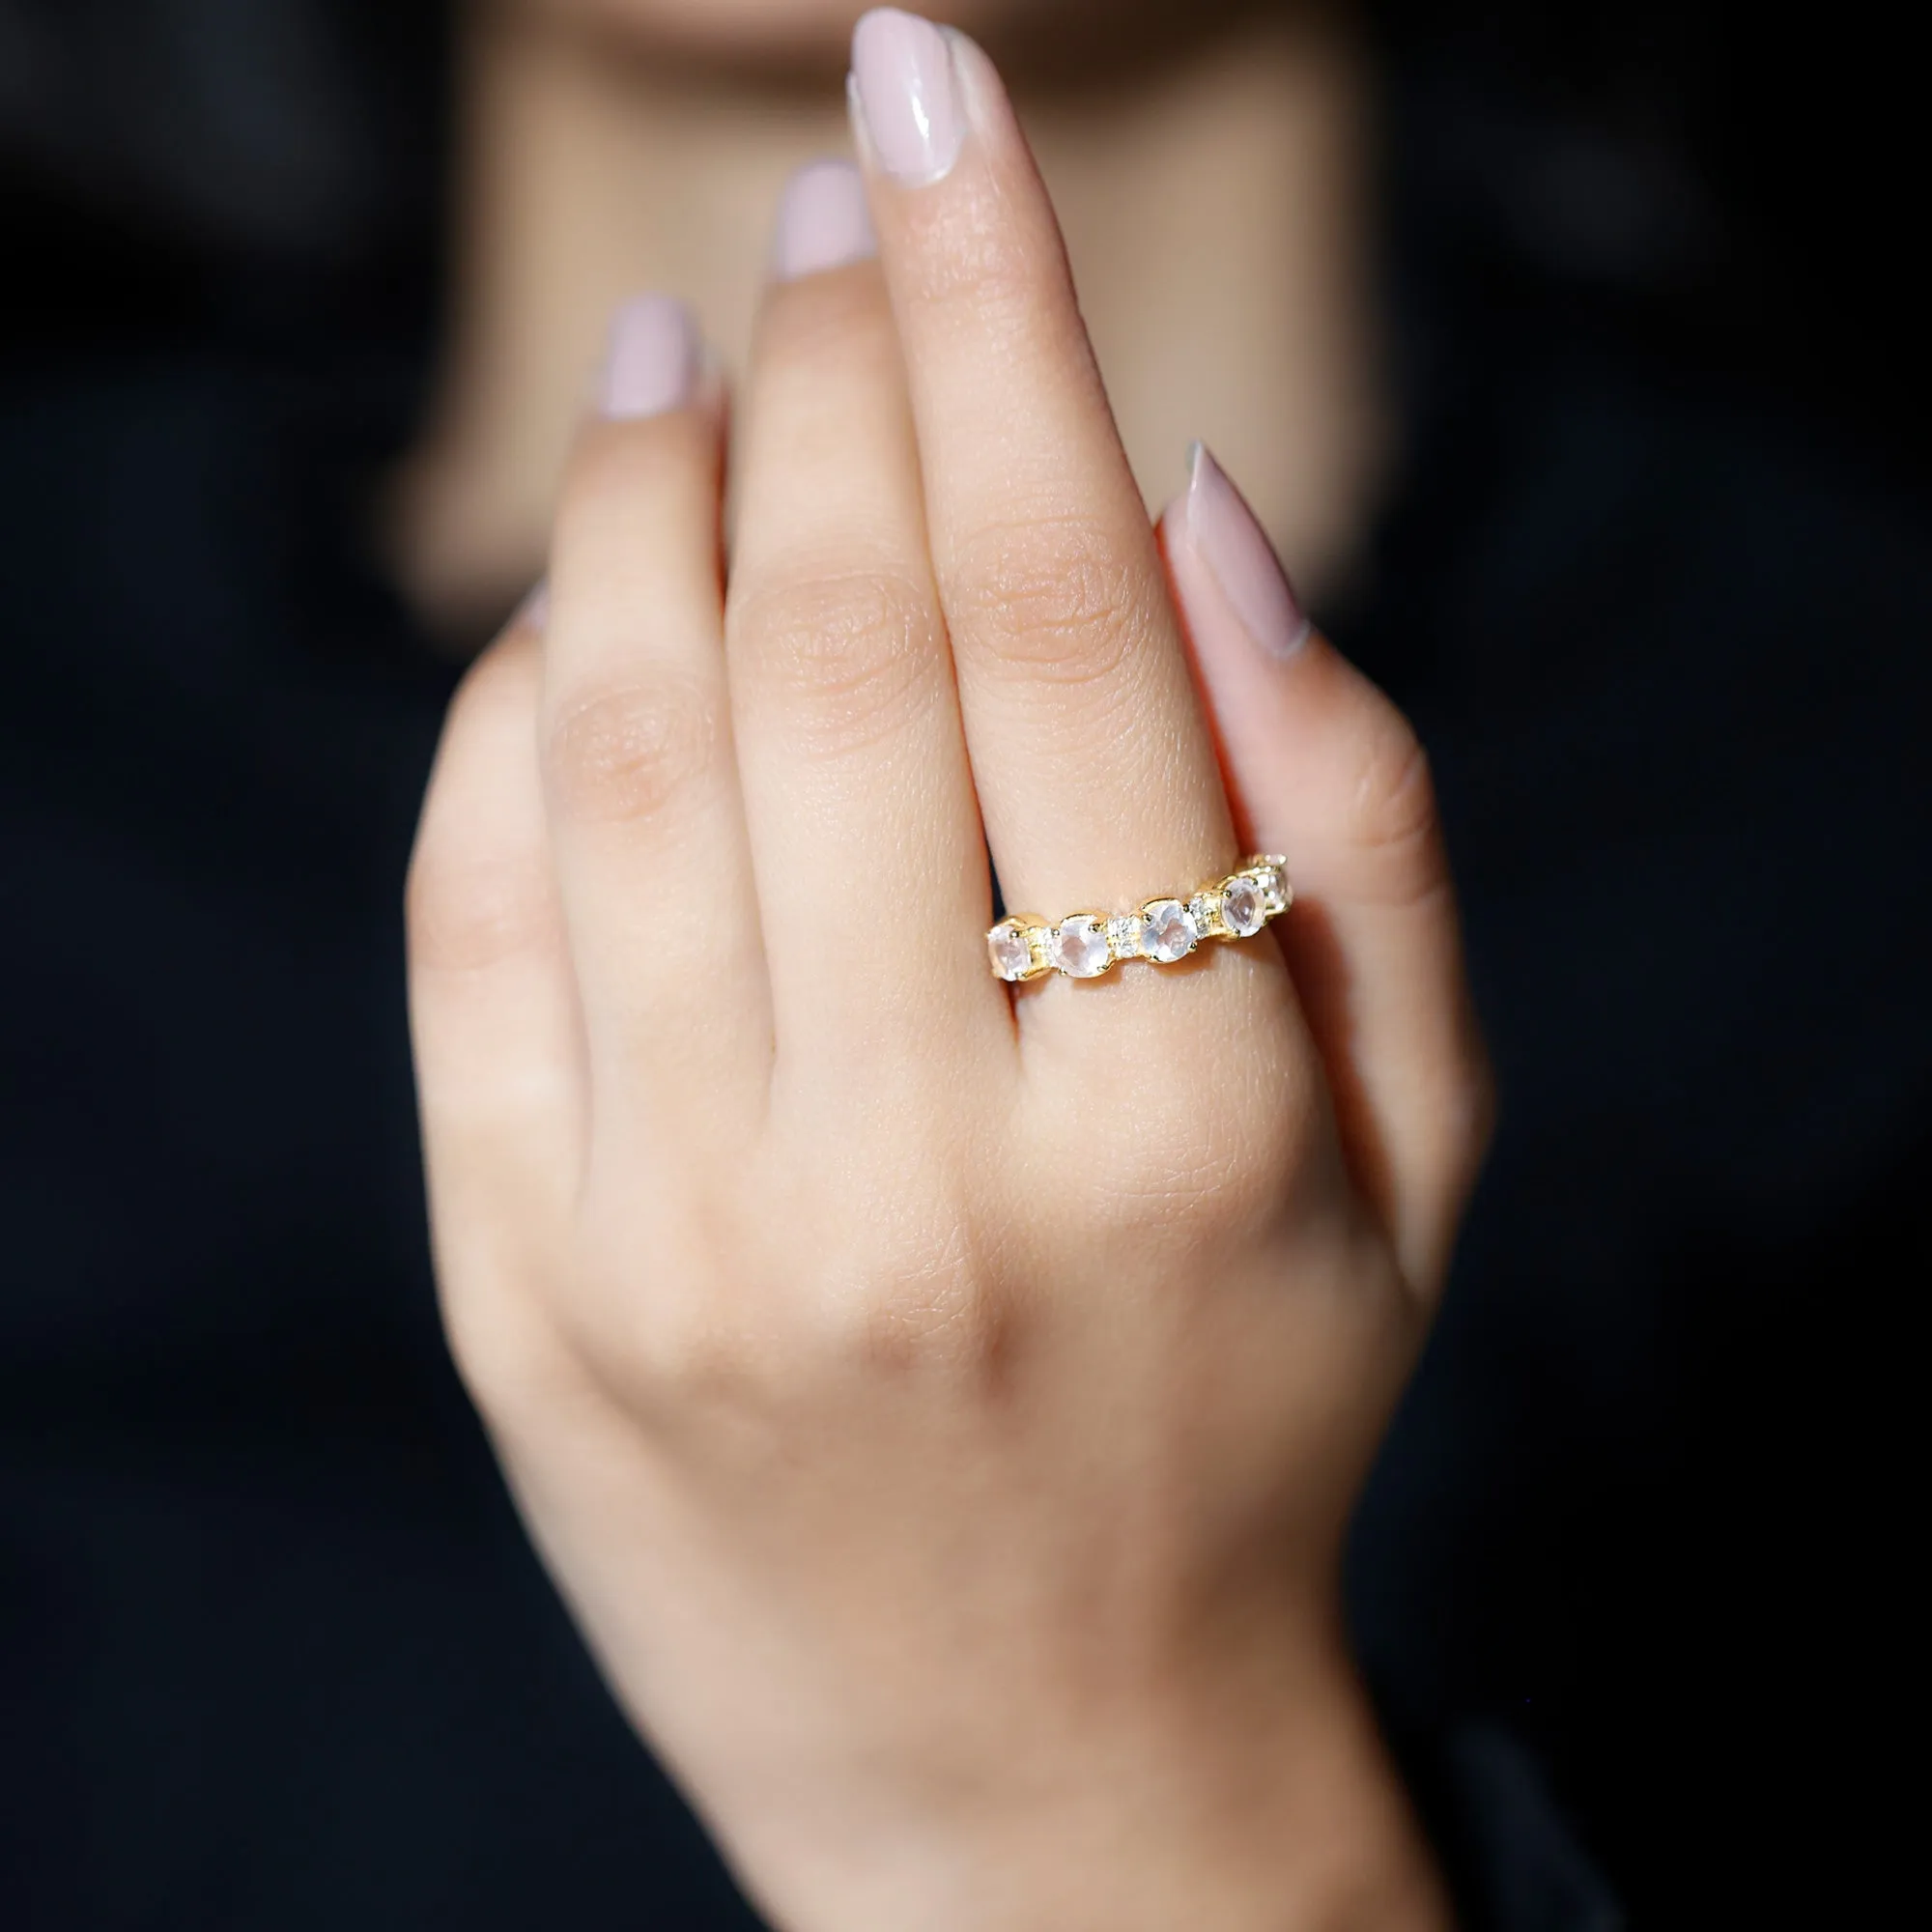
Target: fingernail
point(823, 221)
point(908, 99)
point(653, 358)
point(533, 611)
point(1224, 534)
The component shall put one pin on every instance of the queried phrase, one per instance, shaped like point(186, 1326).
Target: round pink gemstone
point(1013, 956)
point(1171, 931)
point(1241, 908)
point(1080, 947)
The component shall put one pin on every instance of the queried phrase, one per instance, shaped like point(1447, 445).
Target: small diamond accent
point(1204, 909)
point(1171, 931)
point(1242, 907)
point(1126, 935)
point(1011, 955)
point(1079, 946)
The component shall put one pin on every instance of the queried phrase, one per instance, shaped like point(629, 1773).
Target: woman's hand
point(942, 1404)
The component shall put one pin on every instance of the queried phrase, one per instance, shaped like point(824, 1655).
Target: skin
point(942, 1407)
point(1214, 194)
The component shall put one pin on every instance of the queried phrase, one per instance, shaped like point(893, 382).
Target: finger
point(491, 1007)
point(858, 798)
point(642, 793)
point(1322, 767)
point(1095, 771)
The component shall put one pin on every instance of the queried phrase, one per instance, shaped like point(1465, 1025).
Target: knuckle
point(1472, 1113)
point(467, 911)
point(673, 1338)
point(1455, 1126)
point(900, 1287)
point(500, 1348)
point(472, 896)
point(498, 1322)
point(927, 1303)
point(683, 1357)
point(854, 652)
point(1392, 816)
point(633, 751)
point(1054, 598)
point(1213, 1163)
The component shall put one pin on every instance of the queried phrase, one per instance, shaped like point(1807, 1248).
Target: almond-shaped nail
point(653, 359)
point(823, 221)
point(1212, 519)
point(907, 96)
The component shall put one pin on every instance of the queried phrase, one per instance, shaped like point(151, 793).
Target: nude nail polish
point(823, 221)
point(653, 359)
point(1215, 520)
point(907, 96)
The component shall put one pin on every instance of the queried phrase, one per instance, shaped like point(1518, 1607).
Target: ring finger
point(1097, 773)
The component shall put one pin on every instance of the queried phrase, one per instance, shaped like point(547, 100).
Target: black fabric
point(274, 1651)
point(1659, 598)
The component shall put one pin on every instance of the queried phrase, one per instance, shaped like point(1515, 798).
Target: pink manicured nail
point(907, 96)
point(534, 610)
point(823, 221)
point(1214, 521)
point(653, 359)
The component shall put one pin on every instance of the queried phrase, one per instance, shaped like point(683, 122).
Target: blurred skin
point(759, 29)
point(1212, 183)
point(942, 1404)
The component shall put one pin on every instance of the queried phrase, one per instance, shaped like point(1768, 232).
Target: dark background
point(1657, 587)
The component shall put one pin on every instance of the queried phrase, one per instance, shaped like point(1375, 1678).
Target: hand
point(942, 1404)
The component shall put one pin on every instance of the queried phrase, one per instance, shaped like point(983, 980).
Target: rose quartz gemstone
point(1080, 947)
point(1171, 931)
point(1011, 955)
point(1241, 908)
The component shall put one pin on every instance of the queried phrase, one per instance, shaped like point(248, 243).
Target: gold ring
point(1083, 944)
